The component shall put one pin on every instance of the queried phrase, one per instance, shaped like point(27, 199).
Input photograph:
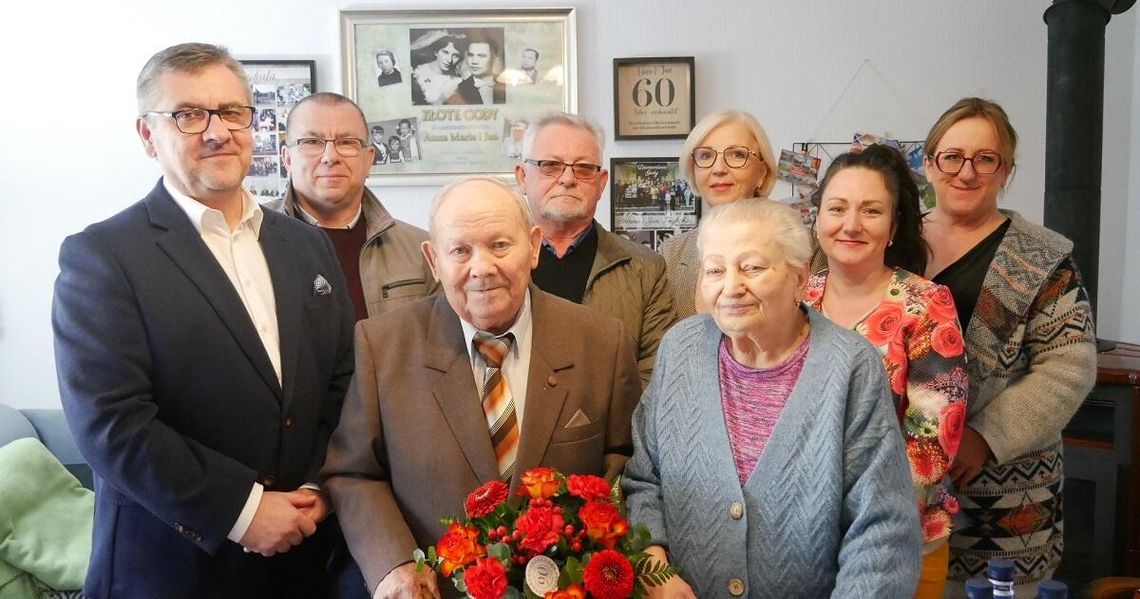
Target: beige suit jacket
point(413, 441)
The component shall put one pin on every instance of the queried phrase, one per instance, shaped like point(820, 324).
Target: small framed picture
point(654, 98)
point(650, 201)
point(275, 86)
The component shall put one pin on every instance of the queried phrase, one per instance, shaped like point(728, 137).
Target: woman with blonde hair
point(726, 157)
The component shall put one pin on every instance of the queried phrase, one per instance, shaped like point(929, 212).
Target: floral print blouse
point(916, 329)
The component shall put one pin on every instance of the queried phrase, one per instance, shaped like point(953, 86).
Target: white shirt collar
point(520, 329)
point(205, 218)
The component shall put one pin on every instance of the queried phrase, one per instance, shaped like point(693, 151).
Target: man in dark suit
point(415, 438)
point(203, 348)
point(481, 87)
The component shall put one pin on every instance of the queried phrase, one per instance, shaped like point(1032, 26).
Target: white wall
point(70, 155)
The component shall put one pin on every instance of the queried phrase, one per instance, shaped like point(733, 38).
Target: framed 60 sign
point(653, 98)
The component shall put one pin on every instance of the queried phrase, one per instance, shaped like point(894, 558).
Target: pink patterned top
point(916, 329)
point(753, 400)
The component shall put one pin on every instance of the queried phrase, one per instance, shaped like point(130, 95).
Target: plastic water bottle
point(1052, 589)
point(979, 588)
point(1001, 573)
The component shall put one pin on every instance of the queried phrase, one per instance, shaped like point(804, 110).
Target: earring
point(891, 242)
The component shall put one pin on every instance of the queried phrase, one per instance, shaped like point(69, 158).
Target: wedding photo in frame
point(654, 98)
point(650, 201)
point(275, 86)
point(448, 93)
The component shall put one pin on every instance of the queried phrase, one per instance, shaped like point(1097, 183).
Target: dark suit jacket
point(413, 440)
point(174, 402)
point(469, 94)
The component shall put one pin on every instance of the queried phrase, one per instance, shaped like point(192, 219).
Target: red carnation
point(487, 579)
point(588, 487)
point(485, 499)
point(609, 575)
point(947, 341)
point(539, 483)
point(603, 523)
point(541, 528)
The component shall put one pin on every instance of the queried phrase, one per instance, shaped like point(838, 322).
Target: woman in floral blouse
point(869, 230)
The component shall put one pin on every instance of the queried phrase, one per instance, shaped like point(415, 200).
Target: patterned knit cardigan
point(1032, 361)
point(828, 509)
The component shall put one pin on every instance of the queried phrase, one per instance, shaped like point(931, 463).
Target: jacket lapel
point(289, 289)
point(183, 244)
point(455, 391)
point(544, 395)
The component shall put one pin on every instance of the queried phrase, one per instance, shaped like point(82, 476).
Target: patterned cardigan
point(828, 509)
point(1032, 361)
point(915, 328)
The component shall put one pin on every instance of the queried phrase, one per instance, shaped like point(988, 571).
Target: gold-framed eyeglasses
point(951, 162)
point(347, 147)
point(734, 156)
point(583, 171)
point(197, 120)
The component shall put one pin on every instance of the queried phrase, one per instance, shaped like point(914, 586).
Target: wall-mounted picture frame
point(275, 85)
point(650, 201)
point(449, 93)
point(654, 98)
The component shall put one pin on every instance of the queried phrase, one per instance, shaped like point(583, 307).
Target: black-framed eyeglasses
point(583, 171)
point(952, 161)
point(197, 120)
point(734, 156)
point(347, 147)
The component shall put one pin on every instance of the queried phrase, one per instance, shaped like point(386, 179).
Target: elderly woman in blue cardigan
point(767, 460)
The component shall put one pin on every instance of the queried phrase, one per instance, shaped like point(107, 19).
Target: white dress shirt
point(516, 364)
point(239, 254)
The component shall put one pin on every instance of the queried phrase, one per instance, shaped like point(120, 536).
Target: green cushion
point(45, 516)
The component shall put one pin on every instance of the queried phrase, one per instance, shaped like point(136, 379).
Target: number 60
point(645, 92)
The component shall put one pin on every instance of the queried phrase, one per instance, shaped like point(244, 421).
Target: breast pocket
point(404, 288)
point(575, 434)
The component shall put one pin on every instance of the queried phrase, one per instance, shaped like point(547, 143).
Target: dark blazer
point(174, 402)
point(469, 94)
point(413, 439)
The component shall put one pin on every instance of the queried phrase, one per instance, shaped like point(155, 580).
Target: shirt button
point(288, 422)
point(736, 510)
point(264, 328)
point(736, 587)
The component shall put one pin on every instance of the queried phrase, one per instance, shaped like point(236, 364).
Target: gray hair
point(562, 118)
point(776, 222)
point(525, 217)
point(191, 58)
point(706, 125)
point(324, 99)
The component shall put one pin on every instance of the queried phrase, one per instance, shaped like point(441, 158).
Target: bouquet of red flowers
point(568, 540)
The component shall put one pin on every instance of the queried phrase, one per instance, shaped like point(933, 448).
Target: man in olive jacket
point(328, 156)
point(562, 178)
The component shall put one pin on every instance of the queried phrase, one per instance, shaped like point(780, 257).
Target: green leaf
point(459, 582)
point(571, 573)
point(431, 556)
point(499, 551)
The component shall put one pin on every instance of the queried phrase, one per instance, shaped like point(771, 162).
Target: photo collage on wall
point(276, 88)
point(650, 200)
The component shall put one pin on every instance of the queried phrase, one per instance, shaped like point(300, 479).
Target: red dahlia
point(485, 499)
point(588, 487)
point(487, 579)
point(609, 575)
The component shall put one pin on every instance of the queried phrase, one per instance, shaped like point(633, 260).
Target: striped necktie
point(498, 406)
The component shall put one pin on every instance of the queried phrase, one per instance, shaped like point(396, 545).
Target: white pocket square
point(321, 286)
point(578, 419)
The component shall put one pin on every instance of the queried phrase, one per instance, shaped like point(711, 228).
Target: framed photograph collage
point(451, 92)
point(276, 85)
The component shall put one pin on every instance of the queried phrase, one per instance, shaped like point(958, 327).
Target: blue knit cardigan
point(829, 509)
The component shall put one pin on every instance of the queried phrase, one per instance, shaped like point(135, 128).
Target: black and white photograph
point(469, 81)
point(396, 141)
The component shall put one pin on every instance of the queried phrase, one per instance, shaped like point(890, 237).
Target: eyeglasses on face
point(583, 171)
point(197, 120)
point(951, 162)
point(347, 147)
point(734, 156)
